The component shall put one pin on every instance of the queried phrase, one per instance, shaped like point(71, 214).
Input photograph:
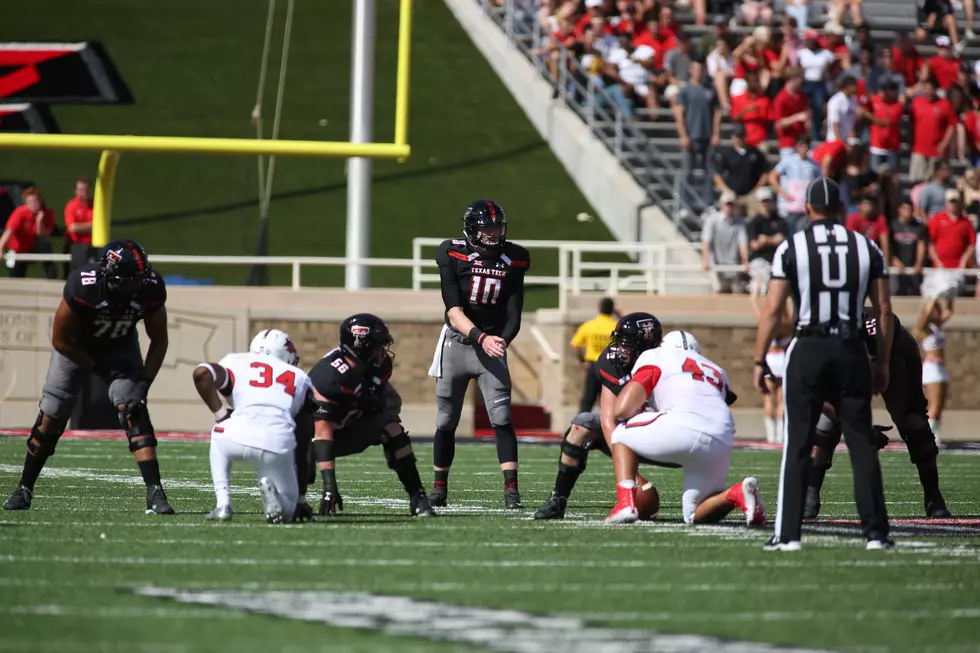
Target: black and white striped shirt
point(829, 270)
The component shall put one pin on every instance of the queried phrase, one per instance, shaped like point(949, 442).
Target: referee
point(589, 341)
point(829, 271)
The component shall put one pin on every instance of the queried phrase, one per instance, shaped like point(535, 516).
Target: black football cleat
point(420, 507)
point(438, 497)
point(19, 500)
point(812, 506)
point(156, 501)
point(936, 508)
point(512, 499)
point(553, 508)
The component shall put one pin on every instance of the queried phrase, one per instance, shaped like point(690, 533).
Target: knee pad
point(578, 452)
point(919, 439)
point(135, 420)
point(391, 444)
point(41, 444)
point(447, 418)
point(498, 410)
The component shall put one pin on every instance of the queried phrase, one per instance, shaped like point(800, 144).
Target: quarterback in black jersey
point(356, 408)
point(482, 278)
point(635, 333)
point(95, 332)
point(906, 405)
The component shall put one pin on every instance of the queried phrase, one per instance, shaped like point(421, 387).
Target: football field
point(85, 570)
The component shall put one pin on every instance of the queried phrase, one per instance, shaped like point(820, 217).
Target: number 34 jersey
point(105, 320)
point(687, 385)
point(267, 394)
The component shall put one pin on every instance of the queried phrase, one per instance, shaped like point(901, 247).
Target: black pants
point(591, 390)
point(838, 371)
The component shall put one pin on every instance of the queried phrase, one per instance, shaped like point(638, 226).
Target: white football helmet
point(681, 340)
point(273, 342)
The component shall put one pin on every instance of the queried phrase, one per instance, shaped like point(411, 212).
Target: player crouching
point(268, 427)
point(693, 429)
point(356, 408)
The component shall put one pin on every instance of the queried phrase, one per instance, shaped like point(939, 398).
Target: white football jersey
point(267, 394)
point(688, 384)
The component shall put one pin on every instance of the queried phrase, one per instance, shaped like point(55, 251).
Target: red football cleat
point(624, 512)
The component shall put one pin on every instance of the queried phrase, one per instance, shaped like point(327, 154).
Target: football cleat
point(755, 512)
point(880, 544)
point(271, 504)
point(624, 512)
point(19, 500)
point(775, 544)
point(812, 506)
point(156, 501)
point(512, 499)
point(438, 497)
point(420, 507)
point(220, 513)
point(553, 508)
point(936, 508)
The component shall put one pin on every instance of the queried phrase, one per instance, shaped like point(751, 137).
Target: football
point(647, 499)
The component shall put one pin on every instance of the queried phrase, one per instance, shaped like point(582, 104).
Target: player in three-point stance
point(357, 408)
point(267, 426)
point(482, 278)
point(95, 332)
point(689, 425)
point(634, 334)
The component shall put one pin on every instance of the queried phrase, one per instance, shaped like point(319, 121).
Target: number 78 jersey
point(267, 394)
point(687, 385)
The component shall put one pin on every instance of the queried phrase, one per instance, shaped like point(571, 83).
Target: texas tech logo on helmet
point(646, 326)
point(360, 332)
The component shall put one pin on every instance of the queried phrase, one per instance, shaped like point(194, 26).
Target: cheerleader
point(772, 403)
point(935, 378)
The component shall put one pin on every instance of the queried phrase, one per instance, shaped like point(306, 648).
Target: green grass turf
point(193, 68)
point(62, 587)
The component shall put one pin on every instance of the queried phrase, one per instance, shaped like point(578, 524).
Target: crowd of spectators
point(802, 102)
point(30, 227)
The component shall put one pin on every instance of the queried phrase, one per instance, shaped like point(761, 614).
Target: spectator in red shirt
point(791, 113)
point(907, 60)
point(831, 155)
point(653, 37)
point(78, 218)
point(594, 9)
point(834, 42)
point(754, 54)
point(874, 227)
point(968, 132)
point(934, 124)
point(952, 245)
point(669, 27)
point(754, 110)
point(28, 231)
point(944, 66)
point(886, 111)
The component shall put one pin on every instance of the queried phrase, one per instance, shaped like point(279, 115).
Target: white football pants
point(279, 468)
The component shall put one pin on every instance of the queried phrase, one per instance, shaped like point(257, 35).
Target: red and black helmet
point(485, 225)
point(635, 333)
point(124, 267)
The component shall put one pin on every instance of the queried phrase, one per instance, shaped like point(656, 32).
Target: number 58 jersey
point(267, 394)
point(688, 386)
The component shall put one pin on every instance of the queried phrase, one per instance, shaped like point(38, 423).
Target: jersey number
point(340, 365)
point(287, 379)
point(484, 290)
point(714, 377)
point(88, 278)
point(119, 328)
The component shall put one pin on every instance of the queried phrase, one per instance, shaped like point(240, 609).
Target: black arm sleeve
point(515, 306)
point(449, 279)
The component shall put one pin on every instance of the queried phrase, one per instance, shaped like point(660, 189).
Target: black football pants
point(835, 370)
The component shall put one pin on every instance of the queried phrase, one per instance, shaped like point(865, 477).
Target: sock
point(780, 435)
point(770, 429)
point(816, 475)
point(929, 477)
point(510, 479)
point(443, 448)
point(150, 469)
point(32, 469)
point(934, 425)
point(408, 474)
point(627, 485)
point(566, 479)
point(506, 443)
point(736, 496)
point(442, 478)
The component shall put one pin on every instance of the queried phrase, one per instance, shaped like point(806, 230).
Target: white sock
point(780, 436)
point(934, 424)
point(770, 429)
point(220, 474)
point(629, 485)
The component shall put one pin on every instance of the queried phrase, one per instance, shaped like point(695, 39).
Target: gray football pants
point(461, 363)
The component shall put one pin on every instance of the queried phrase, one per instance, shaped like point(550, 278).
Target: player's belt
point(843, 331)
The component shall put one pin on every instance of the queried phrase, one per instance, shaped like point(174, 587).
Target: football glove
point(330, 499)
point(304, 511)
point(880, 437)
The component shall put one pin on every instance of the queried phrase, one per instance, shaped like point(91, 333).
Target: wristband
point(761, 363)
point(477, 336)
point(221, 413)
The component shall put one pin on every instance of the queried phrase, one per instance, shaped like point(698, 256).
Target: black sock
point(510, 479)
point(506, 443)
point(566, 479)
point(408, 474)
point(442, 478)
point(32, 469)
point(816, 475)
point(443, 449)
point(929, 477)
point(150, 469)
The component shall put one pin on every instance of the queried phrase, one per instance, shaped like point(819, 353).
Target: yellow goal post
point(112, 146)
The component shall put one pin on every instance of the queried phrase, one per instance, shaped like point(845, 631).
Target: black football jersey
point(336, 380)
point(611, 374)
point(488, 289)
point(106, 320)
point(870, 332)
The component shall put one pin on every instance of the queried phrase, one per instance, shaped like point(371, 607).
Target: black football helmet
point(124, 267)
point(485, 225)
point(366, 339)
point(635, 333)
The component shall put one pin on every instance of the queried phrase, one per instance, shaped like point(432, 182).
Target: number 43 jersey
point(267, 394)
point(105, 320)
point(487, 288)
point(687, 385)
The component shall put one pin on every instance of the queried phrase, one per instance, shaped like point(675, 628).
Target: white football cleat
point(775, 544)
point(270, 500)
point(755, 512)
point(220, 513)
